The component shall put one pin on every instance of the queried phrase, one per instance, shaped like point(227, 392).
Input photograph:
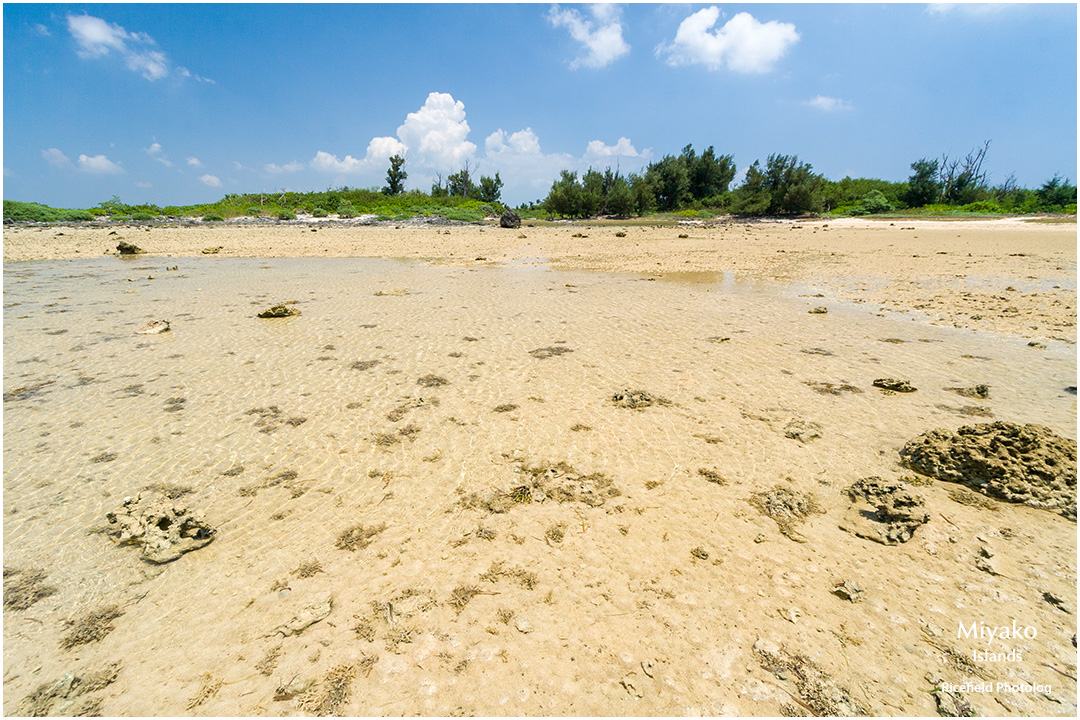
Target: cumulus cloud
point(291, 167)
point(524, 142)
point(194, 162)
point(99, 165)
point(210, 180)
point(435, 134)
point(54, 157)
point(601, 36)
point(828, 104)
point(96, 38)
point(742, 45)
point(325, 162)
point(622, 148)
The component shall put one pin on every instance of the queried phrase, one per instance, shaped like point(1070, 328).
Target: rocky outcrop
point(883, 511)
point(279, 311)
point(510, 219)
point(1028, 464)
point(127, 248)
point(163, 529)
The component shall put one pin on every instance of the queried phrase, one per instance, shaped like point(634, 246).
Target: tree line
point(784, 185)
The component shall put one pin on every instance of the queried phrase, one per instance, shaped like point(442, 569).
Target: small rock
point(849, 590)
point(820, 311)
point(212, 250)
point(127, 248)
point(163, 529)
point(279, 311)
point(1037, 345)
point(153, 327)
point(306, 617)
point(1056, 601)
point(523, 625)
point(901, 386)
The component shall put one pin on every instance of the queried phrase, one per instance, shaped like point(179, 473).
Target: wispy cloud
point(828, 104)
point(99, 165)
point(154, 151)
point(56, 158)
point(41, 30)
point(975, 10)
point(742, 45)
point(194, 162)
point(291, 167)
point(210, 180)
point(600, 37)
point(95, 38)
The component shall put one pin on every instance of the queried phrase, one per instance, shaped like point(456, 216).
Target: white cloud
point(154, 149)
point(96, 38)
point(210, 180)
point(194, 162)
point(325, 162)
point(523, 142)
point(435, 134)
point(42, 30)
point(601, 37)
point(144, 185)
point(99, 165)
point(381, 149)
point(828, 104)
point(622, 148)
point(184, 72)
point(291, 167)
point(977, 10)
point(54, 157)
point(743, 44)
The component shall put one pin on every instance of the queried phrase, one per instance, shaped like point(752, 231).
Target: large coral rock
point(1027, 464)
point(163, 529)
point(510, 219)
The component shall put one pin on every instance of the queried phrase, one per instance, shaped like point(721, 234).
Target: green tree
point(564, 198)
point(1056, 193)
point(490, 189)
point(709, 175)
point(785, 187)
point(395, 176)
point(671, 182)
point(460, 183)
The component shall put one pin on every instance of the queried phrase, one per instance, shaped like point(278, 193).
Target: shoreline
point(1005, 276)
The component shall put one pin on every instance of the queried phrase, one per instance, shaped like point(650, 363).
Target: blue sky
point(181, 104)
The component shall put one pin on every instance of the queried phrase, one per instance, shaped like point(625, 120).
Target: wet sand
point(438, 453)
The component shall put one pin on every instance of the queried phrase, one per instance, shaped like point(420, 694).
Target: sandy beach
point(541, 471)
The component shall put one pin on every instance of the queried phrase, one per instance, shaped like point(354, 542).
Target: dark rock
point(510, 219)
point(902, 386)
point(1027, 464)
point(279, 311)
point(127, 248)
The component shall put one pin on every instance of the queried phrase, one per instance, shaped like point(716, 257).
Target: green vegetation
point(676, 187)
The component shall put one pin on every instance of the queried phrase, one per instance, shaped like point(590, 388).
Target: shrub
point(120, 218)
point(982, 206)
point(346, 211)
point(28, 212)
point(212, 217)
point(141, 216)
point(253, 211)
point(75, 216)
point(286, 215)
point(875, 202)
point(319, 212)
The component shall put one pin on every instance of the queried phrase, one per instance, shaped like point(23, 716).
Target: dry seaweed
point(358, 537)
point(91, 627)
point(787, 508)
point(332, 694)
point(23, 588)
point(817, 690)
point(550, 352)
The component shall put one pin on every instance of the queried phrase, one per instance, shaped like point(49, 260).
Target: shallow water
point(225, 402)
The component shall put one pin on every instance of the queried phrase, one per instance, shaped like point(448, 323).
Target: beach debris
point(59, 698)
point(510, 219)
point(91, 626)
point(306, 617)
point(23, 588)
point(952, 703)
point(397, 292)
point(431, 381)
point(358, 537)
point(897, 511)
point(802, 430)
point(894, 385)
point(819, 311)
point(1028, 464)
point(975, 391)
point(1057, 602)
point(165, 530)
point(849, 590)
point(212, 250)
point(637, 399)
point(559, 482)
point(712, 476)
point(787, 508)
point(280, 310)
point(332, 694)
point(207, 690)
point(817, 691)
point(153, 327)
point(127, 248)
point(548, 352)
point(827, 388)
